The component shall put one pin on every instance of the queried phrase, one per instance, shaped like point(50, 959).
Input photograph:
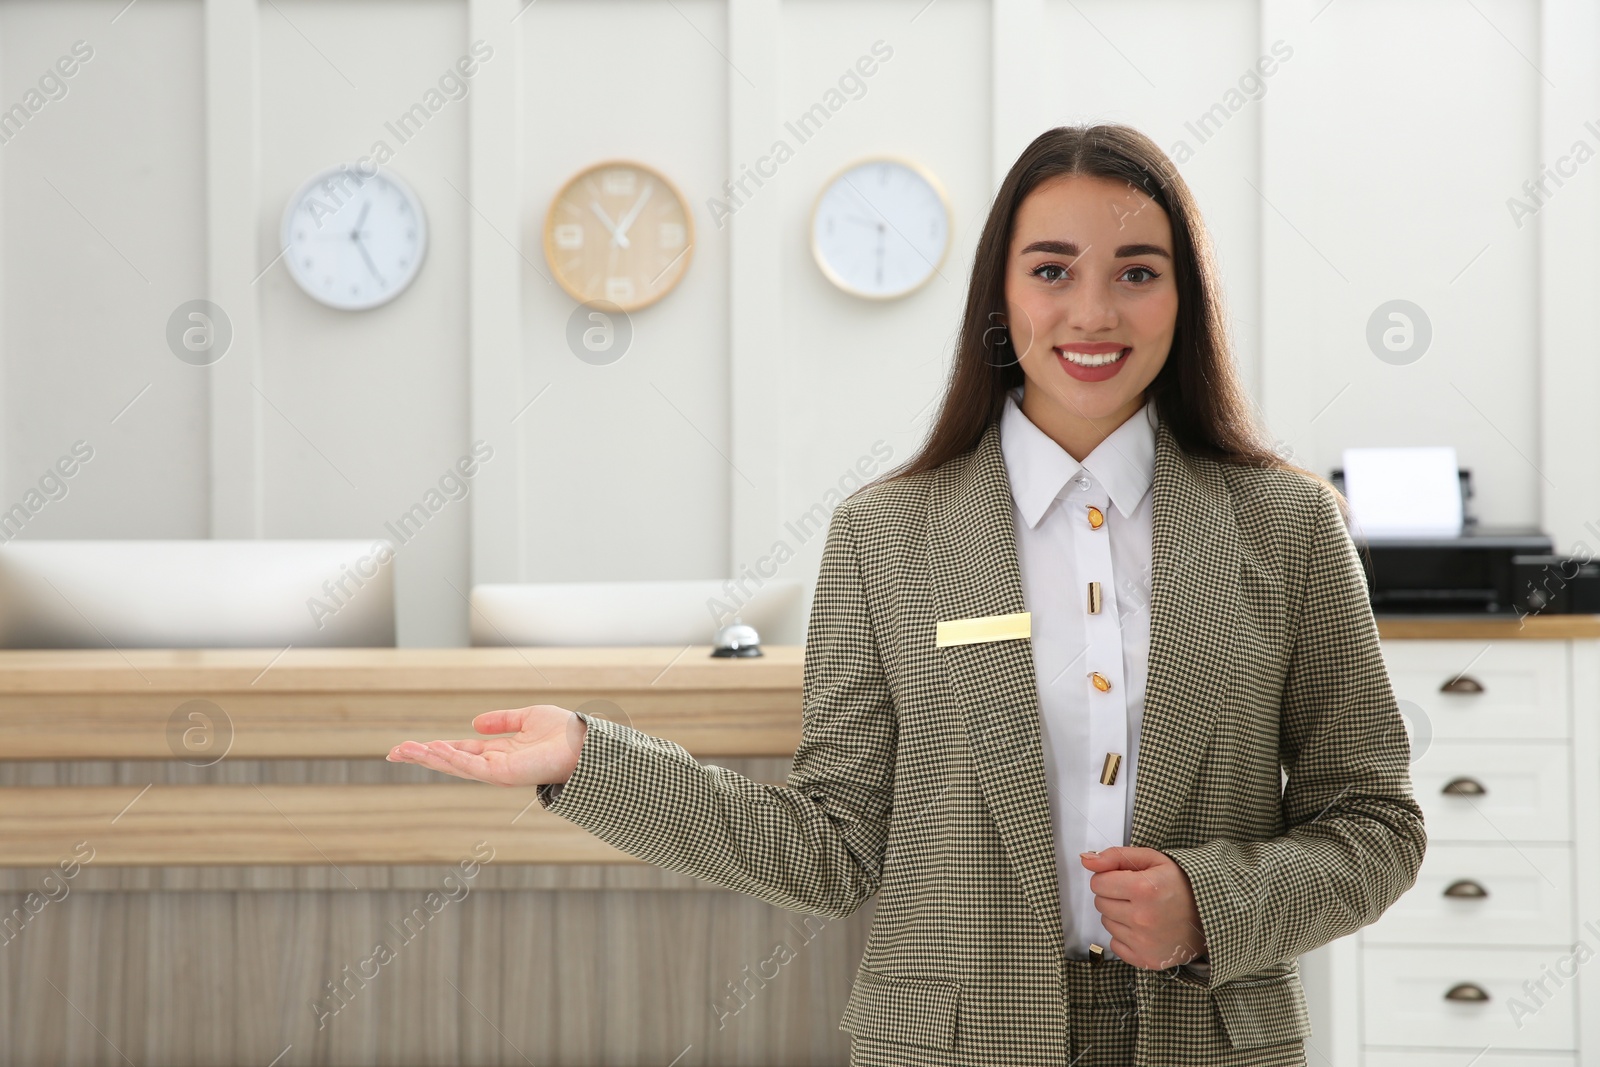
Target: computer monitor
point(633, 613)
point(196, 594)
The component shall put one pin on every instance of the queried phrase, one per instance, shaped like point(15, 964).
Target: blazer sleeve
point(813, 845)
point(1356, 838)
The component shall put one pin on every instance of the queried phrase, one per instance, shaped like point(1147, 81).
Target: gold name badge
point(987, 628)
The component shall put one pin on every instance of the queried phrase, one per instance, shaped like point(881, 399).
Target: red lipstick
point(1092, 362)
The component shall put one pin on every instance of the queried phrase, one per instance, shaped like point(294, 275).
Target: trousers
point(1103, 1013)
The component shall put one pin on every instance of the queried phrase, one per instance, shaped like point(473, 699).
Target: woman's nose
point(1090, 309)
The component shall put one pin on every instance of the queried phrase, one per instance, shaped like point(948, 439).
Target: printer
point(1511, 571)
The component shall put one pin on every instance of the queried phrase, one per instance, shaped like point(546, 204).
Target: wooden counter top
point(1488, 628)
point(359, 703)
point(390, 669)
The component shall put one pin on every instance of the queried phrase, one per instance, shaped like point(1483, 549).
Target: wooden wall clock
point(618, 231)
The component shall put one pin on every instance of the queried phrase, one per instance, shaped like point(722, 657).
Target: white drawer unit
point(1488, 791)
point(1486, 690)
point(1492, 958)
point(1472, 998)
point(1506, 895)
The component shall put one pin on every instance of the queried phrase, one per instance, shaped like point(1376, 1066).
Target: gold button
point(1101, 682)
point(1094, 598)
point(1097, 518)
point(1108, 771)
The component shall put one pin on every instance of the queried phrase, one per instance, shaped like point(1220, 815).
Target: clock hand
point(373, 267)
point(364, 209)
point(617, 238)
point(627, 220)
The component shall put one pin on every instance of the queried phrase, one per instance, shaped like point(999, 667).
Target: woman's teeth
point(1094, 359)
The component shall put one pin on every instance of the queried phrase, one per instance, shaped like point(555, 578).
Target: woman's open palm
point(542, 749)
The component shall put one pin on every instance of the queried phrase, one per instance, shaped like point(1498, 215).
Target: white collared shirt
point(1060, 553)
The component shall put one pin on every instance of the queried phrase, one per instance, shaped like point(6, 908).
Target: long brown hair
point(1198, 393)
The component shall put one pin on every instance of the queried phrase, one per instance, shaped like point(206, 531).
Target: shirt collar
point(1124, 463)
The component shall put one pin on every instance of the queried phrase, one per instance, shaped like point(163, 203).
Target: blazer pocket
point(1263, 1011)
point(907, 1011)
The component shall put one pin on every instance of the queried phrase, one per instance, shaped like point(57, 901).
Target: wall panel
point(1391, 148)
point(862, 373)
point(627, 462)
point(102, 236)
point(362, 413)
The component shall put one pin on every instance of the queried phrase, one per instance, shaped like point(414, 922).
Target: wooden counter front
point(277, 825)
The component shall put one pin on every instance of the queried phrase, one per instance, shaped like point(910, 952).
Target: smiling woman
point(1093, 699)
point(1121, 281)
point(1094, 232)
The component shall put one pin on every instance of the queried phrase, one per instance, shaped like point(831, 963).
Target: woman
point(1093, 697)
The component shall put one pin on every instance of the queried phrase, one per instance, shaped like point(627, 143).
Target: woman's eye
point(1054, 272)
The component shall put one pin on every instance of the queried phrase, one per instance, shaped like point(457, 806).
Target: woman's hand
point(543, 750)
point(1147, 906)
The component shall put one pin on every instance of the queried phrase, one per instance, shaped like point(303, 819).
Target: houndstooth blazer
point(920, 774)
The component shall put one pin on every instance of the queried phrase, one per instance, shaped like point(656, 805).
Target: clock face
point(881, 228)
point(353, 240)
point(618, 232)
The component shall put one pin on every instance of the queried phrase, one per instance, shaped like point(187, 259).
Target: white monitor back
point(632, 613)
point(196, 594)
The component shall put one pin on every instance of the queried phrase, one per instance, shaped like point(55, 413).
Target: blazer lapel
point(1194, 615)
point(1194, 624)
point(975, 572)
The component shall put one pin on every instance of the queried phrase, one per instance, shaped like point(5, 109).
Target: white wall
point(102, 234)
point(1374, 163)
point(1421, 118)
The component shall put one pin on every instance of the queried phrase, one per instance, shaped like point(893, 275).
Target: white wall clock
point(621, 232)
point(353, 240)
point(881, 228)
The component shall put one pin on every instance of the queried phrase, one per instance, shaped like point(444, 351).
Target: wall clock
point(354, 240)
point(621, 232)
point(881, 228)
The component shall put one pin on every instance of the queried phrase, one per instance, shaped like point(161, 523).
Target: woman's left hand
point(1147, 905)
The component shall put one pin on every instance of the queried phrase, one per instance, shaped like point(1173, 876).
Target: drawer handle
point(1465, 887)
point(1464, 683)
point(1467, 991)
point(1463, 787)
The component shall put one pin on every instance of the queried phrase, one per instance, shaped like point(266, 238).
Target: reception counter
point(212, 711)
point(206, 860)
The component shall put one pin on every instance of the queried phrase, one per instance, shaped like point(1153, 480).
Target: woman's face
point(1090, 299)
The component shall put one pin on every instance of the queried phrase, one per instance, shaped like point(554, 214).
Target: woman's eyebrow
point(1069, 248)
